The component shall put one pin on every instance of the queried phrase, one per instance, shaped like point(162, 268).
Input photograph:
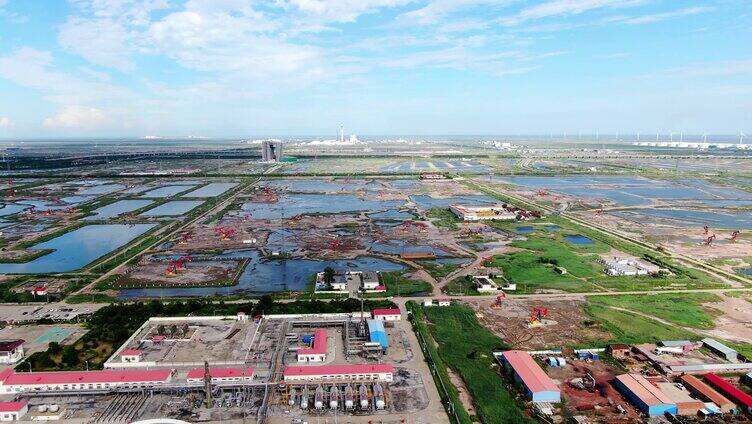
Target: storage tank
point(562, 362)
point(349, 397)
point(54, 408)
point(42, 408)
point(304, 398)
point(363, 396)
point(334, 397)
point(291, 402)
point(318, 401)
point(378, 396)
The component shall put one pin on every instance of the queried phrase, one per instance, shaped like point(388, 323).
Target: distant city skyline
point(239, 68)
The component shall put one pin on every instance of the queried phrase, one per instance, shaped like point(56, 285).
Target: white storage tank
point(54, 408)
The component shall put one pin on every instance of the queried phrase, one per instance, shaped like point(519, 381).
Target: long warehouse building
point(696, 386)
point(13, 382)
point(375, 372)
point(643, 394)
point(730, 390)
point(540, 388)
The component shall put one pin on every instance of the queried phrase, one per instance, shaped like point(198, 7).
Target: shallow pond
point(75, 249)
point(210, 190)
point(691, 218)
point(427, 202)
point(173, 208)
point(290, 205)
point(265, 276)
point(167, 191)
point(392, 214)
point(119, 207)
point(578, 239)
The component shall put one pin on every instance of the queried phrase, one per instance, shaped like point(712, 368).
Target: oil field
point(502, 293)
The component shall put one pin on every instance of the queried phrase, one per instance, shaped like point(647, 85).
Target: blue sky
point(244, 67)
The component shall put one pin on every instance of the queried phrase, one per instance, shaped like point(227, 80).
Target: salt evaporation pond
point(100, 189)
point(11, 208)
point(118, 208)
point(323, 186)
point(524, 230)
point(392, 214)
point(691, 218)
point(173, 208)
point(290, 205)
point(436, 166)
point(75, 249)
point(266, 276)
point(425, 201)
point(633, 191)
point(210, 190)
point(167, 191)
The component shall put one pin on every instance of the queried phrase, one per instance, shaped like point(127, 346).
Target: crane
point(734, 235)
point(537, 315)
point(709, 240)
point(497, 301)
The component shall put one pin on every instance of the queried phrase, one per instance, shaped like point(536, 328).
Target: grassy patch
point(399, 285)
point(466, 346)
point(438, 270)
point(443, 218)
point(629, 328)
point(680, 309)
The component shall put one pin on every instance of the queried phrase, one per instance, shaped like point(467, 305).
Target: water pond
point(173, 208)
point(167, 191)
point(75, 249)
point(290, 205)
point(210, 190)
point(120, 207)
point(578, 239)
point(427, 202)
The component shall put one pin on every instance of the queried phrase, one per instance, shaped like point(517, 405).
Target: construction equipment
point(599, 212)
point(709, 241)
point(486, 261)
point(542, 192)
point(497, 302)
point(11, 190)
point(225, 233)
point(734, 235)
point(537, 316)
point(705, 229)
point(334, 245)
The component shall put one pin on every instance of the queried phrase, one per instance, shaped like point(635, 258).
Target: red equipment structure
point(486, 260)
point(497, 302)
point(334, 244)
point(538, 314)
point(225, 233)
point(185, 238)
point(708, 241)
point(599, 212)
point(734, 235)
point(705, 229)
point(542, 192)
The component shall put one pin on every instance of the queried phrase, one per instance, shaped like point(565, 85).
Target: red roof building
point(219, 375)
point(82, 380)
point(392, 314)
point(366, 372)
point(539, 386)
point(730, 390)
point(13, 411)
point(317, 351)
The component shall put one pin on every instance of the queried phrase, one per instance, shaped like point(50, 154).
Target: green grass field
point(547, 252)
point(399, 285)
point(682, 309)
point(466, 346)
point(438, 270)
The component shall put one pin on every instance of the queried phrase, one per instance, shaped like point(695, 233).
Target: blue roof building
point(377, 333)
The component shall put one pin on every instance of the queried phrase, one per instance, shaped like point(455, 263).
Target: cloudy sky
point(247, 67)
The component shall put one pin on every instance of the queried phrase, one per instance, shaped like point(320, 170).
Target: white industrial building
point(484, 284)
point(11, 351)
point(625, 266)
point(478, 213)
point(392, 314)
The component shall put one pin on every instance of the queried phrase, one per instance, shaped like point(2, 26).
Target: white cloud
point(712, 69)
point(658, 17)
point(4, 122)
point(339, 10)
point(76, 117)
point(566, 7)
point(436, 10)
